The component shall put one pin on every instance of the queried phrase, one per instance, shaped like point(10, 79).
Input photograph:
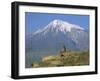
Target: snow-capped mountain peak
point(56, 34)
point(58, 25)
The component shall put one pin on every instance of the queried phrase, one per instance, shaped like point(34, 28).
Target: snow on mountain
point(56, 34)
point(58, 25)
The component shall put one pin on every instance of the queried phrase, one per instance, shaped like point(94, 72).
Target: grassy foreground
point(68, 59)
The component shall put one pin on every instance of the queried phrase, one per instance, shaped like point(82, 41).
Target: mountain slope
point(56, 34)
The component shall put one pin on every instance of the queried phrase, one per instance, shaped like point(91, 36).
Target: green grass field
point(71, 58)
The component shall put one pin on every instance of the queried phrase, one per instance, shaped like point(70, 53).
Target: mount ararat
point(56, 34)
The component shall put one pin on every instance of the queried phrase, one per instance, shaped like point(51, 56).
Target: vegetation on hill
point(71, 58)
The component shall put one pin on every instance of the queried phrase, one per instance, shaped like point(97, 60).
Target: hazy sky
point(34, 21)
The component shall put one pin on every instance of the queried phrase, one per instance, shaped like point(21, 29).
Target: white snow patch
point(58, 25)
